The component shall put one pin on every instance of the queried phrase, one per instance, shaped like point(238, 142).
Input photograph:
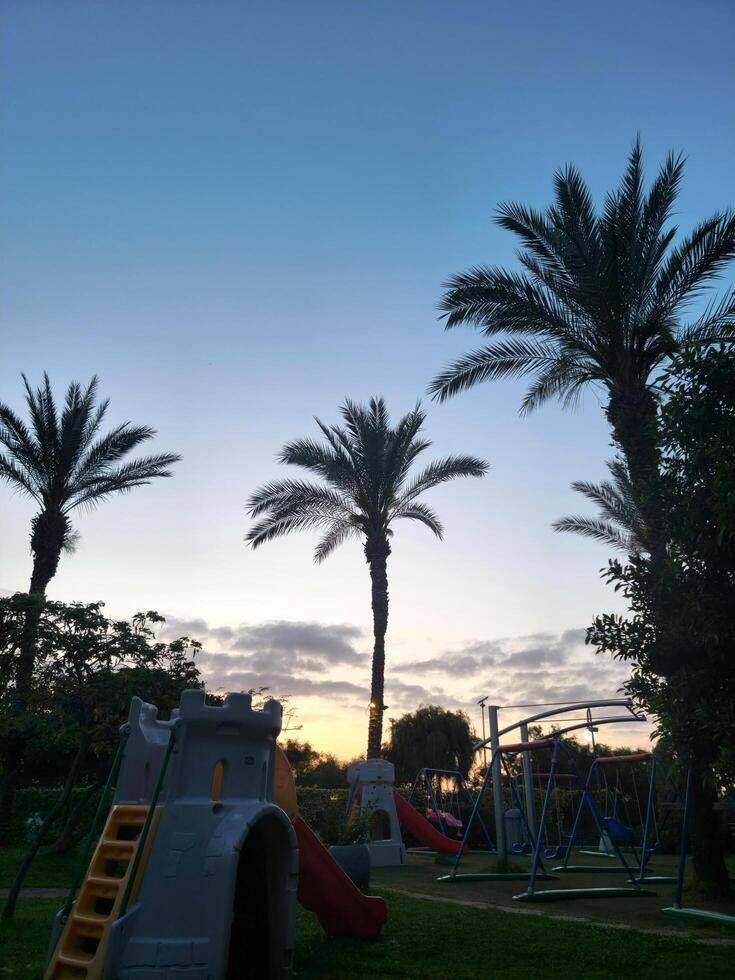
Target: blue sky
point(238, 214)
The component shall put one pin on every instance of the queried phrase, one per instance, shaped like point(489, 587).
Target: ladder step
point(93, 923)
point(67, 960)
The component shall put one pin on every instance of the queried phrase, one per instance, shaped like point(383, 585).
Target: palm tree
point(619, 523)
point(62, 463)
point(602, 298)
point(364, 466)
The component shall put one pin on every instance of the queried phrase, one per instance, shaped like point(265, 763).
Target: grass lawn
point(440, 940)
point(47, 871)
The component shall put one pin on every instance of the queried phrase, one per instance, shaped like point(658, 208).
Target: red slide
point(421, 828)
point(325, 889)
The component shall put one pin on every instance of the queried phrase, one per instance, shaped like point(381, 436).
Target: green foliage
point(365, 466)
point(602, 297)
point(86, 669)
point(430, 736)
point(314, 769)
point(680, 636)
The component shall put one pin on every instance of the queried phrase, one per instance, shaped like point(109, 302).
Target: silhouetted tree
point(365, 468)
point(430, 737)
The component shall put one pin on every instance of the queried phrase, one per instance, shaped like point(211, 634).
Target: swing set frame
point(424, 777)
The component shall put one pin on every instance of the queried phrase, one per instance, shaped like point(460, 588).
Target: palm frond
point(364, 465)
point(335, 536)
point(18, 477)
point(440, 472)
point(716, 325)
point(598, 529)
point(95, 488)
point(512, 358)
point(418, 511)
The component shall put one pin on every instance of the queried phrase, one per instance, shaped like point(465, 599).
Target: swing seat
point(618, 832)
point(554, 853)
point(521, 848)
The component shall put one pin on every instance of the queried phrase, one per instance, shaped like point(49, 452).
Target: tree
point(430, 737)
point(87, 669)
point(681, 632)
point(602, 299)
point(619, 523)
point(63, 462)
point(365, 466)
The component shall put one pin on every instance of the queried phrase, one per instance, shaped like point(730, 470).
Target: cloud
point(333, 644)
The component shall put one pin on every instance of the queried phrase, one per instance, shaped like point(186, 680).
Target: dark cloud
point(333, 644)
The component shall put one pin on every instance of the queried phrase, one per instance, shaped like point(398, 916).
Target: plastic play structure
point(371, 784)
point(202, 856)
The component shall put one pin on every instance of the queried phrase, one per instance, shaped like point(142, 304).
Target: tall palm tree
point(602, 298)
point(619, 522)
point(62, 462)
point(364, 466)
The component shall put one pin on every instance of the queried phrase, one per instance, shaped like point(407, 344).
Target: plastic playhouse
point(202, 856)
point(372, 787)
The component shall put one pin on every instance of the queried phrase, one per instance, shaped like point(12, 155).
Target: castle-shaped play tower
point(195, 873)
point(197, 869)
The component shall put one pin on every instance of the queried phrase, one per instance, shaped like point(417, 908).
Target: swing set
point(444, 806)
point(618, 836)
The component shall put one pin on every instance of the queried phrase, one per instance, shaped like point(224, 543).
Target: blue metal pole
point(475, 808)
point(542, 822)
point(684, 841)
point(649, 814)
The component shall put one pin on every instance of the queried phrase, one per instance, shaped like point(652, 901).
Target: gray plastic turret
point(372, 781)
point(217, 898)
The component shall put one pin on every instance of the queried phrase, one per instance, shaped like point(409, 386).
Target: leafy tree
point(680, 636)
point(430, 737)
point(602, 299)
point(87, 669)
point(365, 467)
point(62, 461)
point(301, 757)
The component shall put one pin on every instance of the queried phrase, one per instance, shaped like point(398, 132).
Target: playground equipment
point(553, 711)
point(531, 894)
point(444, 807)
point(501, 754)
point(196, 870)
point(677, 909)
point(617, 832)
point(554, 841)
point(371, 784)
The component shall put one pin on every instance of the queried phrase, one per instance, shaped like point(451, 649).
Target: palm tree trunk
point(49, 530)
point(632, 415)
point(706, 838)
point(378, 560)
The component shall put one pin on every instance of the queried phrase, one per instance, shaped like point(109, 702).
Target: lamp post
point(481, 702)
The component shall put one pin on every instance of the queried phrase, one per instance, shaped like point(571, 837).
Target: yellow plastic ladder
point(82, 947)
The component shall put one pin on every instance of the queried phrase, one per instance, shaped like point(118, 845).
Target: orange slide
point(325, 889)
point(421, 828)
